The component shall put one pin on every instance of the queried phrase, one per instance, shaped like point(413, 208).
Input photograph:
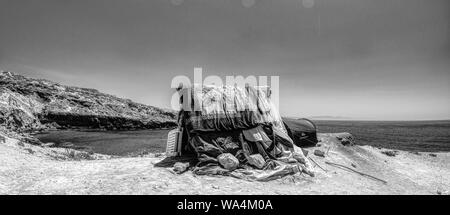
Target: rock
point(319, 153)
point(228, 161)
point(29, 150)
point(180, 167)
point(53, 125)
point(390, 153)
point(28, 104)
point(345, 142)
point(353, 165)
point(432, 155)
point(49, 144)
point(346, 139)
point(257, 160)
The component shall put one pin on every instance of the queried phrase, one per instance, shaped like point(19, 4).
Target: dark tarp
point(280, 159)
point(230, 122)
point(302, 131)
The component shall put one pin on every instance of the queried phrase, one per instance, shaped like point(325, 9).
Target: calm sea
point(426, 136)
point(122, 143)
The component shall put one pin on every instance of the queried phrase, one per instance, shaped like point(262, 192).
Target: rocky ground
point(30, 169)
point(28, 104)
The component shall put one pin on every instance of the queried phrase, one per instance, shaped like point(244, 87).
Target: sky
point(352, 59)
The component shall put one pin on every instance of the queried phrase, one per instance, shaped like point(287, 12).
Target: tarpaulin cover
point(280, 155)
point(242, 122)
point(212, 108)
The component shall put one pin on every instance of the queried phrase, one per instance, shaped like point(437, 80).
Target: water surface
point(109, 142)
point(426, 136)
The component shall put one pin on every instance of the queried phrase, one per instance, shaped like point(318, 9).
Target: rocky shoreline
point(70, 121)
point(28, 105)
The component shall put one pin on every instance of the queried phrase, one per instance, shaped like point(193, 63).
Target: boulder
point(390, 153)
point(256, 160)
point(228, 161)
point(180, 167)
point(319, 153)
point(346, 138)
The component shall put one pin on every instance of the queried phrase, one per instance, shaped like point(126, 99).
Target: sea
point(414, 136)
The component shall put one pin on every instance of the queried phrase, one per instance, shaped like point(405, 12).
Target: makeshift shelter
point(232, 124)
point(302, 131)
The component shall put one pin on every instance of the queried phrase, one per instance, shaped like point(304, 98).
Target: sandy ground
point(27, 169)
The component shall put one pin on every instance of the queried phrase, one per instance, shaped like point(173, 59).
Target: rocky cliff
point(28, 104)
